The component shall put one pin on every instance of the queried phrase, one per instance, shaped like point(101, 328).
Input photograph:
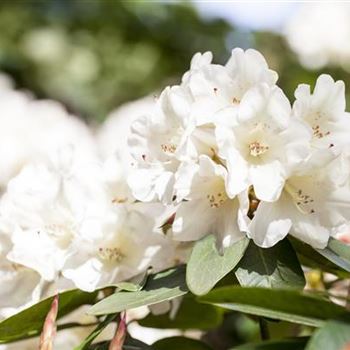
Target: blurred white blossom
point(112, 145)
point(319, 33)
point(33, 130)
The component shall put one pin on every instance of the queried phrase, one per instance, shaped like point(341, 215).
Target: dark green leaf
point(275, 267)
point(311, 258)
point(29, 322)
point(100, 346)
point(191, 315)
point(130, 344)
point(206, 266)
point(287, 305)
point(165, 285)
point(180, 343)
point(286, 344)
point(338, 253)
point(334, 335)
point(92, 336)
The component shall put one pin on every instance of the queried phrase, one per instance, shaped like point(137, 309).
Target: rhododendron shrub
point(218, 198)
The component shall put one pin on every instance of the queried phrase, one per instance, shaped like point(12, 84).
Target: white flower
point(227, 136)
point(215, 87)
point(229, 83)
point(47, 206)
point(21, 286)
point(324, 112)
point(181, 127)
point(264, 144)
point(113, 134)
point(312, 204)
point(121, 249)
point(112, 143)
point(154, 142)
point(33, 130)
point(231, 117)
point(319, 33)
point(205, 207)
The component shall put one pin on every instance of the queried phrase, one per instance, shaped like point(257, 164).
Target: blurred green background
point(94, 55)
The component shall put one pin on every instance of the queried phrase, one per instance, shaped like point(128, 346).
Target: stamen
point(235, 101)
point(216, 200)
point(61, 233)
point(303, 202)
point(256, 149)
point(118, 200)
point(111, 254)
point(168, 148)
point(319, 133)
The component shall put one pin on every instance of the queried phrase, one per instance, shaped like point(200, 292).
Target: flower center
point(168, 147)
point(61, 233)
point(171, 140)
point(256, 149)
point(217, 199)
point(113, 254)
point(319, 122)
point(303, 201)
point(318, 132)
point(235, 101)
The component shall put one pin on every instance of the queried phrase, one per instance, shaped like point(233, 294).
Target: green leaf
point(206, 266)
point(177, 343)
point(165, 285)
point(134, 284)
point(191, 315)
point(130, 344)
point(29, 322)
point(338, 253)
point(312, 258)
point(287, 305)
point(275, 267)
point(285, 344)
point(92, 336)
point(335, 335)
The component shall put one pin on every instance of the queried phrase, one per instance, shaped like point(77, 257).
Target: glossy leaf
point(275, 267)
point(177, 343)
point(165, 285)
point(334, 335)
point(287, 305)
point(130, 344)
point(29, 322)
point(206, 266)
point(134, 284)
point(310, 257)
point(85, 345)
point(338, 253)
point(285, 344)
point(191, 315)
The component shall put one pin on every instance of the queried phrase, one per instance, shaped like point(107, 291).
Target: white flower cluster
point(67, 217)
point(319, 33)
point(230, 153)
point(223, 152)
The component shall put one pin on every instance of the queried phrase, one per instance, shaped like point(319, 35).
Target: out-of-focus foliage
point(94, 55)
